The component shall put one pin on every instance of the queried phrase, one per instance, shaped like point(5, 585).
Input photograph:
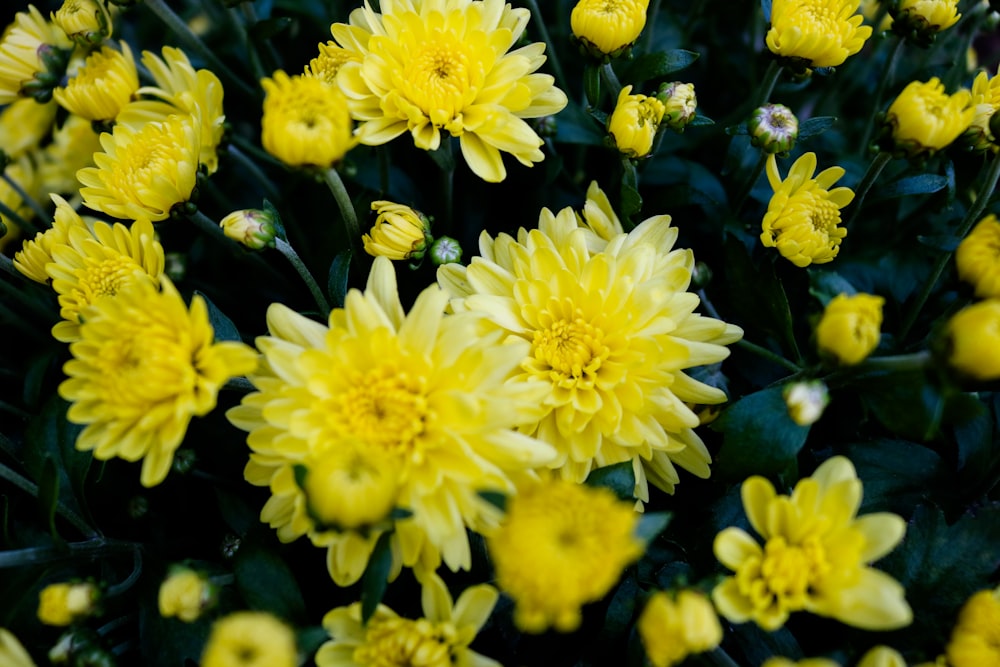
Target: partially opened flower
point(436, 69)
point(72, 148)
point(975, 639)
point(986, 100)
point(922, 19)
point(608, 27)
point(400, 232)
point(35, 254)
point(820, 33)
point(86, 22)
point(850, 328)
point(973, 336)
point(977, 258)
point(185, 594)
point(106, 83)
point(924, 119)
point(24, 125)
point(882, 656)
point(634, 123)
point(65, 603)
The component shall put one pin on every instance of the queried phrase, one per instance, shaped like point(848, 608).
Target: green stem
point(346, 206)
point(880, 92)
point(611, 81)
point(212, 229)
point(244, 160)
point(250, 14)
point(765, 353)
point(31, 488)
point(91, 548)
point(992, 175)
point(285, 249)
point(550, 49)
point(7, 266)
point(720, 658)
point(878, 163)
point(25, 197)
point(771, 76)
point(901, 362)
point(748, 186)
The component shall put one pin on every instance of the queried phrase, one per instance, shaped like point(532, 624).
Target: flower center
point(785, 576)
point(572, 350)
point(401, 642)
point(439, 78)
point(103, 277)
point(824, 216)
point(386, 407)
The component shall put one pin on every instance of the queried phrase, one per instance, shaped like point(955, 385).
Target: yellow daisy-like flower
point(24, 45)
point(560, 546)
point(815, 555)
point(329, 61)
point(779, 661)
point(429, 66)
point(634, 123)
point(926, 16)
point(611, 328)
point(144, 173)
point(306, 121)
point(86, 22)
point(184, 594)
point(65, 603)
point(440, 639)
point(24, 124)
point(850, 328)
point(803, 216)
point(975, 640)
point(977, 258)
point(823, 33)
point(72, 148)
point(973, 335)
point(426, 393)
point(12, 653)
point(250, 639)
point(986, 100)
point(144, 366)
point(399, 232)
point(924, 119)
point(673, 628)
point(34, 255)
point(106, 83)
point(608, 27)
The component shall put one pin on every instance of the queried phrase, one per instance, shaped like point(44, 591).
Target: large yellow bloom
point(433, 65)
point(977, 258)
point(106, 83)
point(815, 555)
point(608, 27)
point(440, 639)
point(924, 119)
point(22, 46)
point(821, 32)
point(611, 328)
point(144, 173)
point(422, 394)
point(975, 640)
point(144, 366)
point(803, 216)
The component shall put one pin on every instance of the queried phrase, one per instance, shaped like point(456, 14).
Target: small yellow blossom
point(803, 216)
point(850, 328)
point(634, 123)
point(250, 639)
point(184, 594)
point(608, 27)
point(680, 104)
point(106, 83)
point(986, 100)
point(821, 33)
point(805, 662)
point(251, 227)
point(974, 337)
point(351, 486)
point(815, 556)
point(924, 119)
point(975, 639)
point(12, 653)
point(25, 46)
point(672, 629)
point(806, 401)
point(86, 22)
point(24, 124)
point(400, 232)
point(576, 541)
point(882, 656)
point(65, 603)
point(978, 258)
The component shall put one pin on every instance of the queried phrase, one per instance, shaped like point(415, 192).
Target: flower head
point(608, 27)
point(424, 394)
point(185, 594)
point(882, 656)
point(144, 173)
point(65, 603)
point(924, 119)
point(329, 61)
point(773, 128)
point(986, 100)
point(24, 125)
point(611, 328)
point(577, 540)
point(106, 83)
point(252, 227)
point(432, 68)
point(440, 639)
point(33, 56)
point(672, 628)
point(36, 253)
point(12, 653)
point(86, 22)
point(806, 401)
point(977, 258)
point(973, 335)
point(143, 367)
point(803, 216)
point(821, 33)
point(922, 19)
point(400, 232)
point(680, 104)
point(634, 123)
point(780, 661)
point(250, 639)
point(306, 121)
point(815, 555)
point(850, 328)
point(975, 640)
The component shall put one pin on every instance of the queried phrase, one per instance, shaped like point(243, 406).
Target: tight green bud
point(773, 128)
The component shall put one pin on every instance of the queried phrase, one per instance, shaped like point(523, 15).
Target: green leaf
point(620, 612)
point(897, 474)
point(443, 157)
point(376, 577)
point(825, 285)
point(336, 282)
point(223, 327)
point(48, 495)
point(619, 477)
point(734, 130)
point(700, 120)
point(758, 436)
point(266, 583)
point(50, 437)
point(922, 184)
point(310, 639)
point(495, 498)
point(814, 126)
point(905, 403)
point(573, 126)
point(592, 84)
point(942, 242)
point(658, 65)
point(652, 524)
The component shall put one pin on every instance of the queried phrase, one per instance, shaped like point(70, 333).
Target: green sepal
point(375, 580)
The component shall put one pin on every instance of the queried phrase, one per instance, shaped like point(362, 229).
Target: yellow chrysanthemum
point(22, 47)
point(850, 328)
point(673, 628)
point(607, 27)
point(329, 61)
point(611, 328)
point(62, 604)
point(560, 546)
point(440, 639)
point(12, 653)
point(35, 254)
point(806, 662)
point(144, 173)
point(106, 83)
point(429, 66)
point(803, 216)
point(634, 123)
point(823, 33)
point(815, 555)
point(423, 391)
point(180, 89)
point(86, 22)
point(977, 258)
point(975, 640)
point(882, 656)
point(72, 148)
point(144, 366)
point(250, 639)
point(924, 119)
point(24, 124)
point(306, 121)
point(927, 16)
point(973, 334)
point(184, 594)
point(986, 101)
point(399, 232)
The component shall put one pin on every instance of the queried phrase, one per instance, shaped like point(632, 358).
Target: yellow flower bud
point(977, 258)
point(680, 104)
point(250, 633)
point(921, 20)
point(251, 227)
point(850, 327)
point(185, 594)
point(974, 639)
point(634, 123)
point(924, 119)
point(608, 27)
point(63, 603)
point(86, 22)
point(672, 629)
point(351, 486)
point(986, 98)
point(806, 401)
point(400, 232)
point(974, 336)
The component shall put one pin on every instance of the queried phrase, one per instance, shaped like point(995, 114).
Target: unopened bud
point(86, 22)
point(446, 250)
point(680, 104)
point(64, 603)
point(773, 128)
point(806, 401)
point(185, 594)
point(252, 227)
point(400, 232)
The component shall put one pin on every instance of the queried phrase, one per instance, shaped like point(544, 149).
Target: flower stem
point(212, 229)
point(765, 353)
point(878, 163)
point(247, 163)
point(880, 92)
point(285, 249)
point(90, 549)
point(720, 658)
point(346, 206)
point(611, 81)
point(31, 488)
point(25, 226)
point(771, 76)
point(992, 175)
point(901, 362)
point(748, 186)
point(25, 197)
point(550, 49)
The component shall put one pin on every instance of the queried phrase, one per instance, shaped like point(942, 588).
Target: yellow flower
point(882, 656)
point(924, 119)
point(440, 639)
point(144, 366)
point(974, 336)
point(986, 100)
point(611, 328)
point(975, 640)
point(815, 555)
point(251, 227)
point(425, 392)
point(106, 83)
point(329, 61)
point(803, 216)
point(184, 594)
point(850, 328)
point(672, 629)
point(634, 123)
point(978, 258)
point(86, 22)
point(143, 173)
point(806, 662)
point(399, 232)
point(432, 66)
point(680, 104)
point(35, 254)
point(250, 639)
point(65, 603)
point(806, 401)
point(560, 546)
point(72, 148)
point(608, 27)
point(24, 124)
point(306, 121)
point(24, 47)
point(12, 654)
point(823, 33)
point(926, 16)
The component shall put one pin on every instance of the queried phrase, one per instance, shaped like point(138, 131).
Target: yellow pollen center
point(102, 278)
point(824, 216)
point(386, 407)
point(438, 79)
point(785, 576)
point(572, 349)
point(400, 642)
